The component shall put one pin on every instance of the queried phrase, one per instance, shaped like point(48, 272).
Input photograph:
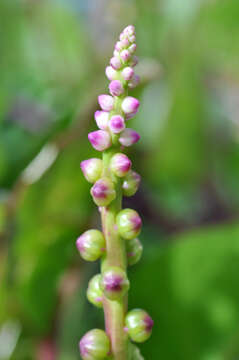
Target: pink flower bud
point(129, 30)
point(100, 139)
point(132, 38)
point(125, 55)
point(103, 192)
point(125, 42)
point(116, 88)
point(132, 48)
point(110, 73)
point(102, 118)
point(118, 46)
point(134, 81)
point(120, 164)
point(106, 102)
point(116, 124)
point(115, 62)
point(129, 137)
point(130, 105)
point(127, 73)
point(92, 169)
point(122, 36)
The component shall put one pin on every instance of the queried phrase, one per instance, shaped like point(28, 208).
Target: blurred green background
point(52, 60)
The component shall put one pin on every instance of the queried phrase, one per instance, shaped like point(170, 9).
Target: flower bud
point(134, 81)
point(114, 283)
point(91, 245)
point(131, 183)
point(106, 102)
point(139, 325)
point(102, 118)
point(92, 169)
point(134, 61)
point(116, 53)
point(129, 137)
point(116, 124)
point(111, 73)
point(95, 345)
point(132, 48)
point(130, 105)
point(103, 192)
point(100, 139)
point(129, 30)
point(116, 88)
point(115, 62)
point(120, 164)
point(94, 293)
point(125, 42)
point(129, 223)
point(132, 38)
point(125, 55)
point(127, 73)
point(118, 46)
point(134, 251)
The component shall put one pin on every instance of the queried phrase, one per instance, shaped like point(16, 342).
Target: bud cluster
point(107, 176)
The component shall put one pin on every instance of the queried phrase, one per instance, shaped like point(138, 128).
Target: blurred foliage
point(53, 55)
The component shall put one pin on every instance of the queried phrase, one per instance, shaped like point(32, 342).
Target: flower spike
point(112, 177)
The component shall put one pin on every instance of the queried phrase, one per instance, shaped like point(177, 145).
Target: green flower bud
point(138, 325)
point(103, 192)
point(134, 251)
point(95, 345)
point(114, 283)
point(92, 169)
point(129, 223)
point(131, 183)
point(94, 293)
point(91, 245)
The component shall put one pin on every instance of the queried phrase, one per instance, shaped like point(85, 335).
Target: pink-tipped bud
point(129, 137)
point(92, 169)
point(111, 73)
point(127, 73)
point(131, 183)
point(118, 46)
point(95, 344)
point(132, 48)
point(125, 42)
point(103, 192)
point(100, 139)
point(134, 61)
point(130, 105)
point(120, 164)
point(132, 38)
point(114, 283)
point(116, 124)
point(115, 62)
point(102, 118)
point(125, 55)
point(122, 36)
point(129, 223)
point(91, 245)
point(116, 88)
point(129, 30)
point(134, 81)
point(106, 102)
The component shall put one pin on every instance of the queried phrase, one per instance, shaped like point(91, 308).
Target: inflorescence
point(112, 176)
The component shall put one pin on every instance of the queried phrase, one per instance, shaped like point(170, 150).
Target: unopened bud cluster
point(113, 136)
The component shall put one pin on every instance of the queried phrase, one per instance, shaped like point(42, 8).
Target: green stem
point(115, 256)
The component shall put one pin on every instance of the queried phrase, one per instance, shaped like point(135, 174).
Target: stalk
point(117, 244)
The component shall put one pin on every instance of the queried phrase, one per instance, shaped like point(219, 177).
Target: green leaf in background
point(190, 289)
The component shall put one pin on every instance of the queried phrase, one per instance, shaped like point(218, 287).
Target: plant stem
point(115, 256)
